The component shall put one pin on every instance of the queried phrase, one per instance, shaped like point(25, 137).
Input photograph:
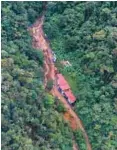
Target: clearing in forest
point(41, 42)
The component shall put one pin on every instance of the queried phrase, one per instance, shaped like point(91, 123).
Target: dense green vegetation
point(85, 33)
point(49, 85)
point(80, 139)
point(31, 118)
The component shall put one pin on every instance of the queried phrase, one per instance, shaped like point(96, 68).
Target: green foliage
point(87, 38)
point(49, 85)
point(30, 120)
point(83, 33)
point(100, 35)
point(49, 100)
point(80, 139)
point(60, 107)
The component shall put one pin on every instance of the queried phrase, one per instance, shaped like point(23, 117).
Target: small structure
point(66, 63)
point(64, 89)
point(70, 97)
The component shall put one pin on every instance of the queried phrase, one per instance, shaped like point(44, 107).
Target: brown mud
point(40, 42)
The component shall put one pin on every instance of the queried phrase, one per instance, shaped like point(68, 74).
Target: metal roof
point(70, 96)
point(62, 82)
point(65, 87)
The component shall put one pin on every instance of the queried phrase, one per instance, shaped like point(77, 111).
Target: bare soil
point(40, 42)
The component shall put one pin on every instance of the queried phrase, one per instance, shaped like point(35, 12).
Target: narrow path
point(40, 42)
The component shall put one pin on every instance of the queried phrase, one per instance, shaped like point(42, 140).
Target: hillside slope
point(31, 118)
point(40, 42)
point(84, 33)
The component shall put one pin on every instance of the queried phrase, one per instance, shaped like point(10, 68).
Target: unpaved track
point(40, 42)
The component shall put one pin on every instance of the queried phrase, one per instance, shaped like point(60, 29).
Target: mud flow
point(40, 42)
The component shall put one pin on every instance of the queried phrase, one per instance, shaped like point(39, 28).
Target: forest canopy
point(25, 105)
point(83, 33)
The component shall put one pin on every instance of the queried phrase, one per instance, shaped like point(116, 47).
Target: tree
point(50, 85)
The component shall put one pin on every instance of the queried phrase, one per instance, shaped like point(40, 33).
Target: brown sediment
point(40, 42)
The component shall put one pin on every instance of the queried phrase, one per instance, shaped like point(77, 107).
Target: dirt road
point(40, 42)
